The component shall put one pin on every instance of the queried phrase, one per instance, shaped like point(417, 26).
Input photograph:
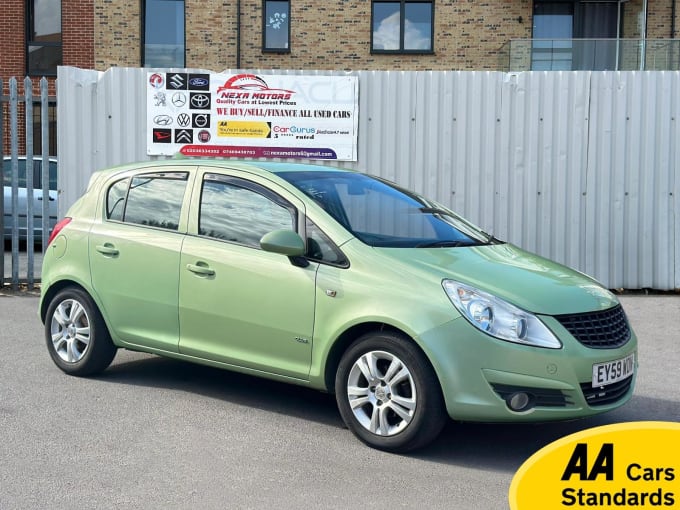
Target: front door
point(239, 304)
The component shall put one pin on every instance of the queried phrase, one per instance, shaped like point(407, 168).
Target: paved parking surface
point(154, 433)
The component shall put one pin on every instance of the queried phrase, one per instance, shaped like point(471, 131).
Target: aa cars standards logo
point(627, 465)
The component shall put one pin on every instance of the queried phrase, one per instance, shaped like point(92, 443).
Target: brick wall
point(469, 34)
point(77, 32)
point(117, 33)
point(324, 35)
point(337, 35)
point(12, 41)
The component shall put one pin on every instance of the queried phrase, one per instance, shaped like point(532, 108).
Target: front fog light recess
point(520, 401)
point(498, 318)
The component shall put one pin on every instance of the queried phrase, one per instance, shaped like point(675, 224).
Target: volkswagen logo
point(162, 120)
point(183, 119)
point(179, 99)
point(200, 101)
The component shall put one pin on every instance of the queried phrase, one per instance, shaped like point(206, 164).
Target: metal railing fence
point(25, 222)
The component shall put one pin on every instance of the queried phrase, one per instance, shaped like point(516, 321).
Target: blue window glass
point(164, 33)
point(405, 26)
point(43, 38)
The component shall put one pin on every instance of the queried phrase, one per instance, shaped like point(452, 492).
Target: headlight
point(499, 318)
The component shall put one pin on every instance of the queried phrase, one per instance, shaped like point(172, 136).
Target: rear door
point(134, 257)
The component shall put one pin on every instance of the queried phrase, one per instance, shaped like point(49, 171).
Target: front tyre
point(388, 394)
point(77, 338)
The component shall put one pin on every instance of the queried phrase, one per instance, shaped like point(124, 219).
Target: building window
point(43, 40)
point(405, 26)
point(276, 26)
point(163, 33)
point(571, 35)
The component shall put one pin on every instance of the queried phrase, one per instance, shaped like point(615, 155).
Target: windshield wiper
point(446, 244)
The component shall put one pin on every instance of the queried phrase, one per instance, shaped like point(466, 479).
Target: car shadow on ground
point(497, 446)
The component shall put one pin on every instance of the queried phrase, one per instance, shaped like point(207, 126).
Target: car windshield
point(381, 214)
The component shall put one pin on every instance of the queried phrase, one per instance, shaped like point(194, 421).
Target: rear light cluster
point(57, 228)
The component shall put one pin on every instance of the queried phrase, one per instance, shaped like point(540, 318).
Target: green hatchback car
point(334, 280)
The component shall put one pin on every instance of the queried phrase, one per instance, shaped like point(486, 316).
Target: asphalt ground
point(155, 433)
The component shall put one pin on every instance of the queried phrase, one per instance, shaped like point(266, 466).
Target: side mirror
point(285, 242)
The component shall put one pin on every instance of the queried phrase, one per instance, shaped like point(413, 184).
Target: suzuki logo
point(176, 81)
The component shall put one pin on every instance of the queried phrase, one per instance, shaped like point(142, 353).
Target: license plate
point(610, 372)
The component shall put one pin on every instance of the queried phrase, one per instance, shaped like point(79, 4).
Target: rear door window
point(153, 200)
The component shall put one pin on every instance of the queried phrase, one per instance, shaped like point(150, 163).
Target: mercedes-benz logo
point(200, 100)
point(179, 99)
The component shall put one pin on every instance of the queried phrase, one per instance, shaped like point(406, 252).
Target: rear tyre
point(388, 393)
point(77, 338)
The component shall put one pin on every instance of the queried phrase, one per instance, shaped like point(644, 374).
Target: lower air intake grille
point(601, 396)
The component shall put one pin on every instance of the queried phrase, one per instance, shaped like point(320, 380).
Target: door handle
point(51, 199)
point(201, 269)
point(107, 249)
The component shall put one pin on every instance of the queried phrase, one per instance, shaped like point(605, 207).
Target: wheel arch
point(57, 287)
point(346, 339)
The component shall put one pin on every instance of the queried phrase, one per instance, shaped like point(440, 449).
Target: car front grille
point(603, 395)
point(607, 329)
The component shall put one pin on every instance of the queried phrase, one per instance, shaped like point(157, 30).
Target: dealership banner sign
point(250, 116)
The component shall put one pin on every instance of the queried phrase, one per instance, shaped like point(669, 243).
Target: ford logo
point(198, 82)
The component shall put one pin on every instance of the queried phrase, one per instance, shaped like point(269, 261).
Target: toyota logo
point(162, 120)
point(179, 99)
point(200, 100)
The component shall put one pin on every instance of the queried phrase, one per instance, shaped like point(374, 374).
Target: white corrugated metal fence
point(580, 166)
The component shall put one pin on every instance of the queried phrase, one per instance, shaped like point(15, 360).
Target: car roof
point(253, 166)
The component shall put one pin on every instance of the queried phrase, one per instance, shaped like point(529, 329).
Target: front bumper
point(479, 373)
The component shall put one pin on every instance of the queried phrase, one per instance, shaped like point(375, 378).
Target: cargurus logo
point(303, 130)
point(295, 130)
